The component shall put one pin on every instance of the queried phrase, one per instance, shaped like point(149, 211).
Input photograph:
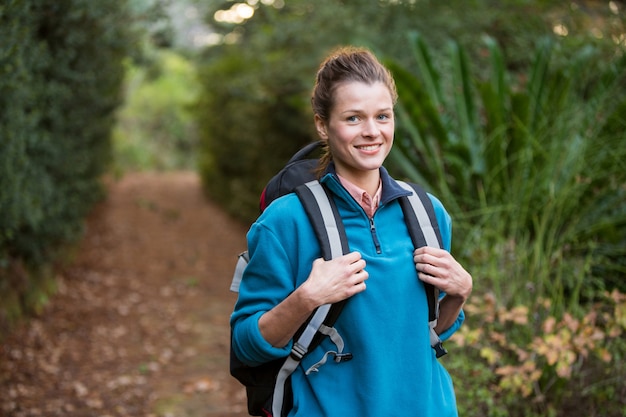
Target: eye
point(385, 116)
point(352, 119)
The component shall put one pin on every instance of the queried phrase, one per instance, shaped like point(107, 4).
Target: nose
point(371, 129)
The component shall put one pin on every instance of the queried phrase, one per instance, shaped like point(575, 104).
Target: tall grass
point(532, 167)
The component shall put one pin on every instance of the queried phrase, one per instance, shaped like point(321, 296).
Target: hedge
point(60, 78)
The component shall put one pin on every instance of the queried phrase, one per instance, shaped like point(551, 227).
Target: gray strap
point(328, 216)
point(431, 240)
point(315, 367)
point(336, 338)
point(299, 349)
point(301, 346)
point(434, 337)
point(422, 216)
point(242, 261)
point(314, 324)
point(279, 389)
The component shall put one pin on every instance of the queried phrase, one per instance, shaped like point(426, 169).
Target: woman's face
point(359, 129)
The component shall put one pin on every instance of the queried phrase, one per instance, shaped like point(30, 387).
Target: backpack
point(268, 386)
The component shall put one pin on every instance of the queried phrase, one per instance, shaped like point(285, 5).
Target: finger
point(431, 279)
point(360, 282)
point(362, 275)
point(431, 251)
point(356, 267)
point(425, 259)
point(425, 256)
point(428, 269)
point(425, 249)
point(352, 257)
point(442, 259)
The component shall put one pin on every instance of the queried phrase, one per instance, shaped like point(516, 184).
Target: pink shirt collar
point(369, 203)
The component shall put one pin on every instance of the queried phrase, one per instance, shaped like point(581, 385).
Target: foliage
point(531, 167)
point(524, 361)
point(254, 107)
point(60, 72)
point(155, 129)
point(256, 84)
point(536, 161)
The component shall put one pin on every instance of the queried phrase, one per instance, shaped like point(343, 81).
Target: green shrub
point(254, 109)
point(524, 361)
point(60, 76)
point(530, 170)
point(248, 128)
point(531, 167)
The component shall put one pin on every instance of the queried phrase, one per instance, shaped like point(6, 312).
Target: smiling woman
point(384, 325)
point(359, 132)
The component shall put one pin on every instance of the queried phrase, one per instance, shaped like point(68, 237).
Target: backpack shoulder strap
point(325, 219)
point(423, 227)
point(331, 235)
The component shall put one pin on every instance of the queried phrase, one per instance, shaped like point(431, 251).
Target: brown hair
point(346, 64)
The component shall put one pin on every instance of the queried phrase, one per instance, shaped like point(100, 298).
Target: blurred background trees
point(270, 59)
point(512, 112)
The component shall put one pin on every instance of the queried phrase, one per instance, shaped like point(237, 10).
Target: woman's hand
point(439, 268)
point(329, 282)
point(335, 280)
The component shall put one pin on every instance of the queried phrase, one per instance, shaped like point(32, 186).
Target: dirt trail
point(139, 326)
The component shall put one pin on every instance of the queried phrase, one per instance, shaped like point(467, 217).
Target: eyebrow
point(361, 111)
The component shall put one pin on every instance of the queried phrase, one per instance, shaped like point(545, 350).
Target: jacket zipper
point(375, 236)
point(372, 225)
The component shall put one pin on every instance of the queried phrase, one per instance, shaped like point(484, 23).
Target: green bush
point(247, 128)
point(60, 76)
point(533, 170)
point(523, 361)
point(531, 167)
point(254, 100)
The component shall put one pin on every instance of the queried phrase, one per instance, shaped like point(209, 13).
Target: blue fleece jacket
point(394, 371)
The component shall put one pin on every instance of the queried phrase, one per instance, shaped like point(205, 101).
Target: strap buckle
point(343, 357)
point(439, 350)
point(298, 351)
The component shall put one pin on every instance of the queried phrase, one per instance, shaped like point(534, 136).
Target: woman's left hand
point(439, 268)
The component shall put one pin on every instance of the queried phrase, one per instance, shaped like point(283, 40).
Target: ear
point(320, 126)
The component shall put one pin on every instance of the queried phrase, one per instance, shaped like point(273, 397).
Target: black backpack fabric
point(299, 170)
point(268, 386)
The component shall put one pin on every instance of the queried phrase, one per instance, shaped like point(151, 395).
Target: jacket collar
point(391, 189)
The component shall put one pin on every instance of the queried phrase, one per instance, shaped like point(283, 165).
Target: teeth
point(369, 147)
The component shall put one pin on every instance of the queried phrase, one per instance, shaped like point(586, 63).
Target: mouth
point(368, 148)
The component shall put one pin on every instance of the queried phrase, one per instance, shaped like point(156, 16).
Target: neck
point(369, 181)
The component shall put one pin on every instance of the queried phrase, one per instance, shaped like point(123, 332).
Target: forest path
point(139, 324)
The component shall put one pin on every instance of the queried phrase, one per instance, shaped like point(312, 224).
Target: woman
point(394, 371)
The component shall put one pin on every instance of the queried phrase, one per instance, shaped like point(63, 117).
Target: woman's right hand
point(335, 280)
point(329, 282)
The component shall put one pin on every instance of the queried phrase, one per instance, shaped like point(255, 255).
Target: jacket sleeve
point(272, 273)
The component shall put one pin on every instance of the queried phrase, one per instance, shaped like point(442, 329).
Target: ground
point(139, 324)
